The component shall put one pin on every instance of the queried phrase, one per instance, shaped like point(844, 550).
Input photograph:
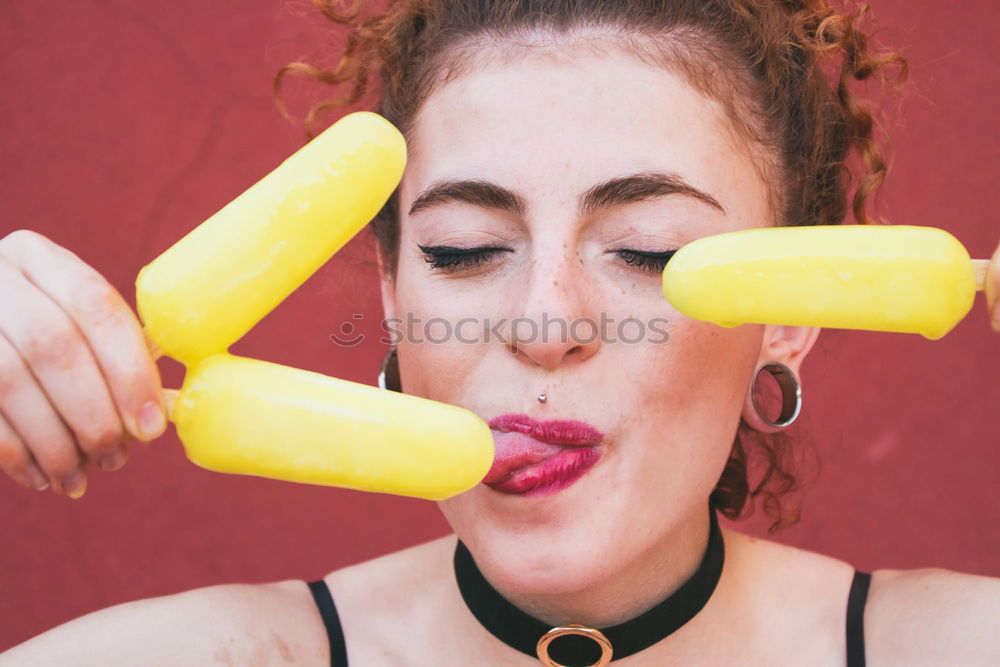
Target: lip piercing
point(542, 398)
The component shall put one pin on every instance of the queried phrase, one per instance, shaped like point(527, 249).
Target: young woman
point(559, 152)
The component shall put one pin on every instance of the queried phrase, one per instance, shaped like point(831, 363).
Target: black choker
point(577, 644)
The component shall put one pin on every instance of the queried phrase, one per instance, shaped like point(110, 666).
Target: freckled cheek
point(436, 371)
point(702, 368)
point(686, 403)
point(437, 353)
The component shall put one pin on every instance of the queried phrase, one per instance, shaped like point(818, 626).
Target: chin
point(539, 565)
point(535, 546)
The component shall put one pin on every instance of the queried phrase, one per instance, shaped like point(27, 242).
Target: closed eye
point(654, 262)
point(454, 258)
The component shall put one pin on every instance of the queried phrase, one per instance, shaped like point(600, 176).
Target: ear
point(787, 344)
point(387, 283)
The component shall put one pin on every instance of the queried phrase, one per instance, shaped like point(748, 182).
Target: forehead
point(552, 122)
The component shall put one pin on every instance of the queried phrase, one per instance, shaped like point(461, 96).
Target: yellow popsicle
point(245, 416)
point(218, 281)
point(899, 278)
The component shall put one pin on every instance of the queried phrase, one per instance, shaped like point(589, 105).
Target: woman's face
point(548, 129)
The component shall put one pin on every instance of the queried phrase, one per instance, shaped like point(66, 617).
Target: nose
point(557, 324)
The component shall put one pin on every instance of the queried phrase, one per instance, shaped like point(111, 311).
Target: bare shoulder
point(798, 575)
point(928, 616)
point(392, 603)
point(794, 601)
point(232, 624)
point(933, 616)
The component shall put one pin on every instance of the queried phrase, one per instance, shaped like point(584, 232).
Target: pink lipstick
point(536, 458)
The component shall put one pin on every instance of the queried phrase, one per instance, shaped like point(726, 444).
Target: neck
point(639, 585)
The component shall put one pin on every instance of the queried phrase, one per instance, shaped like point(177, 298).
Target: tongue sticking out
point(513, 451)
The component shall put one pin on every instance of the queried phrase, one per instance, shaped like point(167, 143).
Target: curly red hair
point(783, 70)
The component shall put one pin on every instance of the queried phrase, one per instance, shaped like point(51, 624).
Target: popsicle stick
point(169, 395)
point(169, 398)
point(979, 269)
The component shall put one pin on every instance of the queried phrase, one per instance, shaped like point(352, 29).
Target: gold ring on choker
point(573, 629)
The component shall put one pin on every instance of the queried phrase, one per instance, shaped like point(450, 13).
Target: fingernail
point(112, 461)
point(37, 479)
point(151, 421)
point(75, 484)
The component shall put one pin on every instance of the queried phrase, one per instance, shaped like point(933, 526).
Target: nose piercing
point(542, 398)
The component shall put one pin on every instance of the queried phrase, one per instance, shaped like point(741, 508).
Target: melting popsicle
point(898, 278)
point(245, 416)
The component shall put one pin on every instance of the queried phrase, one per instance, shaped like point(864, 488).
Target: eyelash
point(452, 258)
point(653, 262)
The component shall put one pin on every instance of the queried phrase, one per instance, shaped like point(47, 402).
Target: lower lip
point(551, 475)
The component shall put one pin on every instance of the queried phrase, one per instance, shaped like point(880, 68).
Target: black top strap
point(328, 610)
point(855, 619)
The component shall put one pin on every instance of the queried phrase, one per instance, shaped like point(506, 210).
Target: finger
point(16, 460)
point(61, 364)
point(109, 327)
point(39, 428)
point(992, 289)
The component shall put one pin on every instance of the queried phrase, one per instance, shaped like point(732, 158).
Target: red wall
point(127, 123)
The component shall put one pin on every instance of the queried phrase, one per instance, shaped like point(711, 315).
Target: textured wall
point(127, 123)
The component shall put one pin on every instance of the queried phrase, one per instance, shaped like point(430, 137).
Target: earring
point(388, 375)
point(791, 399)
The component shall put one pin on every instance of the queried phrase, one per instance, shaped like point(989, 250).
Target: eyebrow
point(614, 192)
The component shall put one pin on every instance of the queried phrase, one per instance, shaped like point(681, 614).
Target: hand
point(76, 379)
